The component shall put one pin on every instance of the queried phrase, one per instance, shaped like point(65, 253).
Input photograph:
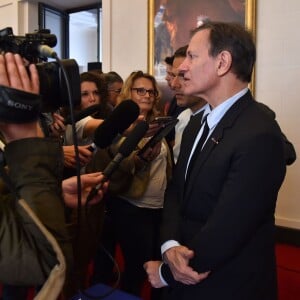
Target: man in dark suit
point(289, 149)
point(218, 222)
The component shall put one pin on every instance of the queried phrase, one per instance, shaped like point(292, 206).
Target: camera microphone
point(130, 143)
point(46, 51)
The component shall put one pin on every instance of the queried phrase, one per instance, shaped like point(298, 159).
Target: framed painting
point(171, 21)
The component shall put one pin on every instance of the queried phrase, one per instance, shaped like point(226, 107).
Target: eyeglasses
point(117, 91)
point(143, 92)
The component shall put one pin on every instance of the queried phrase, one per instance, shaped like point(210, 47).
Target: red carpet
point(288, 268)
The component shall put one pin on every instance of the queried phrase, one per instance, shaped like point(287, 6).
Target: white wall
point(22, 16)
point(125, 42)
point(9, 14)
point(278, 72)
point(125, 36)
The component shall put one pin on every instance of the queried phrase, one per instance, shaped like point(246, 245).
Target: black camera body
point(53, 84)
point(26, 46)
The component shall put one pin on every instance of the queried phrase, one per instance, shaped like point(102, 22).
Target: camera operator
point(35, 245)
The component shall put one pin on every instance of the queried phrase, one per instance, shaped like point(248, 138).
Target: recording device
point(118, 121)
point(162, 120)
point(36, 48)
point(125, 149)
point(159, 135)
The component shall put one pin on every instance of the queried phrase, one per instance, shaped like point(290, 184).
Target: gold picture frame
point(242, 11)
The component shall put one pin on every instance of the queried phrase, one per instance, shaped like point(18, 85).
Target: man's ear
point(224, 62)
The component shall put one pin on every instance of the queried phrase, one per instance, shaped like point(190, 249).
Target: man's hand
point(178, 260)
point(88, 181)
point(152, 269)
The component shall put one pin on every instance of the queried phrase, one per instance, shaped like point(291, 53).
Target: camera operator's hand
point(14, 75)
point(88, 181)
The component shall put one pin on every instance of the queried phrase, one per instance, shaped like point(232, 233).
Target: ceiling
point(68, 4)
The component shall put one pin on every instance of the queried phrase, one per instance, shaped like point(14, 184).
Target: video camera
point(53, 86)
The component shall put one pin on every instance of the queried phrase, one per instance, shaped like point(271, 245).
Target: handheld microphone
point(118, 121)
point(84, 113)
point(125, 149)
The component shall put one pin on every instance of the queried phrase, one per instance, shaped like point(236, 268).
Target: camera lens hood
point(17, 106)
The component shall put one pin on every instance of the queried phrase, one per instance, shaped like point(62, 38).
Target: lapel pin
point(215, 141)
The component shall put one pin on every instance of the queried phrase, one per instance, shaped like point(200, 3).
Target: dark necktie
point(199, 146)
point(188, 137)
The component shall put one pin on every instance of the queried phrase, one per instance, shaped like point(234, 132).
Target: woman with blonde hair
point(134, 88)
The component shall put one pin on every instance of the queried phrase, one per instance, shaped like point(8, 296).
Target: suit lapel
point(188, 137)
point(215, 139)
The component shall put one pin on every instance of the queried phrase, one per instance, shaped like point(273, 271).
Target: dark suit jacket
point(225, 212)
point(289, 150)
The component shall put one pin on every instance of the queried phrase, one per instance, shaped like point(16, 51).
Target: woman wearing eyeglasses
point(137, 189)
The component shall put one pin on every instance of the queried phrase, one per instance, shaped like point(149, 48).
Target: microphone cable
point(79, 206)
point(78, 167)
point(74, 136)
point(112, 288)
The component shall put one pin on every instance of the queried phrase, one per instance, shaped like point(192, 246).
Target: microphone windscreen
point(125, 114)
point(119, 120)
point(130, 143)
point(84, 113)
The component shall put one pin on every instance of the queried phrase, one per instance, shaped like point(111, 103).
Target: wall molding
point(287, 222)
